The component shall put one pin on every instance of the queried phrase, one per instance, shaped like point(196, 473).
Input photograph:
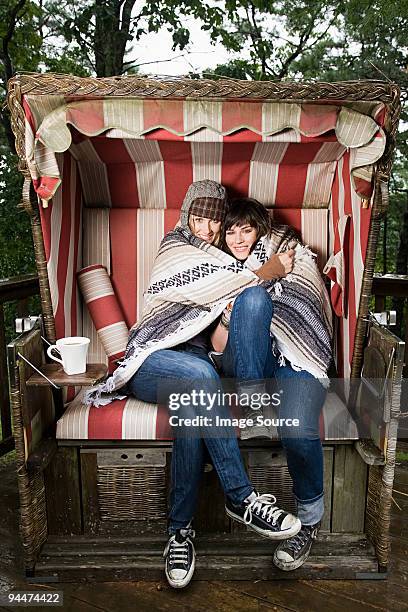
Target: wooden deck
point(257, 596)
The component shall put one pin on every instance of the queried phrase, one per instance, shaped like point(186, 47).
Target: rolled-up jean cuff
point(310, 513)
point(174, 526)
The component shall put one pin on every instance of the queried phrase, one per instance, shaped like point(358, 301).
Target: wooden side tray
point(95, 372)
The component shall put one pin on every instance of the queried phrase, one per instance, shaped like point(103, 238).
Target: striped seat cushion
point(131, 419)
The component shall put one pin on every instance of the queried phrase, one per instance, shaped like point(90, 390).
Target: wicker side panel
point(379, 496)
point(378, 514)
point(361, 330)
point(131, 485)
point(33, 515)
point(30, 204)
point(379, 499)
point(381, 479)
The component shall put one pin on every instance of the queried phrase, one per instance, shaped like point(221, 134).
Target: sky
point(199, 55)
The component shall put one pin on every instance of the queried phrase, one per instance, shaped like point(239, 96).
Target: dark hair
point(247, 211)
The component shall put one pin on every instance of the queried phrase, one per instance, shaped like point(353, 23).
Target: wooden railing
point(396, 287)
point(17, 289)
point(20, 288)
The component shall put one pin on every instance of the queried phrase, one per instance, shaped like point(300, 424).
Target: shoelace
point(178, 551)
point(263, 506)
point(299, 539)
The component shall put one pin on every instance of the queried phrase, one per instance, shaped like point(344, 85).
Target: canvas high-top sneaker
point(260, 513)
point(292, 553)
point(179, 557)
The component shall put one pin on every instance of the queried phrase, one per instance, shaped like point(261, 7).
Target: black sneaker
point(293, 553)
point(260, 514)
point(179, 557)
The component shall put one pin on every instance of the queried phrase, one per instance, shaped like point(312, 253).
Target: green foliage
point(318, 39)
point(16, 247)
point(235, 69)
point(273, 35)
point(25, 42)
point(389, 238)
point(68, 62)
point(402, 457)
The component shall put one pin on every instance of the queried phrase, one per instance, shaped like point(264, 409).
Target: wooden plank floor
point(251, 596)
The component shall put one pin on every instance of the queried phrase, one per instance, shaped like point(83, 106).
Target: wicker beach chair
point(106, 164)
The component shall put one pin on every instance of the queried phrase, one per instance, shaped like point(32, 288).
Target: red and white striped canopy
point(287, 152)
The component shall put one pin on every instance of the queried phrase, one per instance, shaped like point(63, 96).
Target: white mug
point(73, 351)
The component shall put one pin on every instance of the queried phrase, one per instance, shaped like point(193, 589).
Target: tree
point(79, 37)
point(20, 46)
point(324, 40)
point(274, 35)
point(102, 33)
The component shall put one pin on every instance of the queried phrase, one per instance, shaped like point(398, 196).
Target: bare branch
point(256, 35)
point(170, 59)
point(300, 47)
point(323, 34)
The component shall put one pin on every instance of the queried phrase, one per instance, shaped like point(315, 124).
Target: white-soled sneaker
point(260, 513)
point(179, 557)
point(293, 553)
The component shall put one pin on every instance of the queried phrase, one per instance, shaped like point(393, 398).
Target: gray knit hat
point(201, 190)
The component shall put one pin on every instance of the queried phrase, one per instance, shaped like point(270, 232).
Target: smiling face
point(240, 240)
point(206, 229)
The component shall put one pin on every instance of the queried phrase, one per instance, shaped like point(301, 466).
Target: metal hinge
point(387, 317)
point(25, 324)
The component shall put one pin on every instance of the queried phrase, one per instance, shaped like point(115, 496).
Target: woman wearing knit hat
point(178, 318)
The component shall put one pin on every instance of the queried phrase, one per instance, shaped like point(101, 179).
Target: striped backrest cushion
point(106, 314)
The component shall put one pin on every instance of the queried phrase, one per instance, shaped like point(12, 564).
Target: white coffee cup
point(73, 351)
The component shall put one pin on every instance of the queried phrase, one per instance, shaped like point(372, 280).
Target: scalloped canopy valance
point(53, 122)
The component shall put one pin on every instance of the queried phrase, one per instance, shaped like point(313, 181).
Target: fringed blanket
point(193, 281)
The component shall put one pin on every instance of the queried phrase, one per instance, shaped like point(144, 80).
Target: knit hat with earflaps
point(205, 199)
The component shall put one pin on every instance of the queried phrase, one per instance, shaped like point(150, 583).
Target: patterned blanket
point(193, 281)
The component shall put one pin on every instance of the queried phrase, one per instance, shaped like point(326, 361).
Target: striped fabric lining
point(96, 251)
point(141, 174)
point(156, 113)
point(344, 201)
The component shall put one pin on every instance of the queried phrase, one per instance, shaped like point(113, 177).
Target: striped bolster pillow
point(105, 311)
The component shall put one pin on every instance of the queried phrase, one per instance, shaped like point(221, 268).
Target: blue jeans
point(248, 356)
point(174, 371)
